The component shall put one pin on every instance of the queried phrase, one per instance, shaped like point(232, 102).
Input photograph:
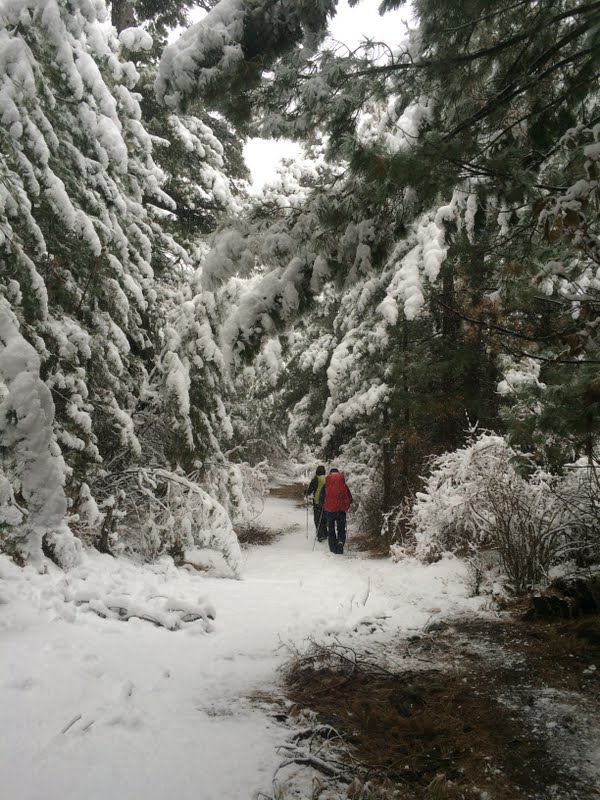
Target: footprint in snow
point(128, 716)
point(129, 721)
point(23, 684)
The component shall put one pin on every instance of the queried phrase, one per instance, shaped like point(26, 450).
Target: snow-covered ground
point(96, 708)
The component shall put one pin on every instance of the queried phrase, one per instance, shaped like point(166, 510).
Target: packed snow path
point(100, 708)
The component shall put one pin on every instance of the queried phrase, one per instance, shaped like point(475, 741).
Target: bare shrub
point(476, 500)
point(396, 528)
point(368, 521)
point(255, 535)
point(524, 522)
point(579, 493)
point(157, 511)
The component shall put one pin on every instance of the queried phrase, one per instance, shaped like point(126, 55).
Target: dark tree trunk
point(103, 542)
point(388, 476)
point(122, 15)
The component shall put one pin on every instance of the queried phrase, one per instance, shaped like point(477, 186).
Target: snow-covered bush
point(246, 485)
point(33, 505)
point(157, 511)
point(359, 461)
point(579, 493)
point(476, 500)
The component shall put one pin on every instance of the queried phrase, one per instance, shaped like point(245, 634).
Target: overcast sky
point(350, 25)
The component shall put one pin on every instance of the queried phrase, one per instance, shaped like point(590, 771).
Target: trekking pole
point(306, 501)
point(318, 529)
point(347, 530)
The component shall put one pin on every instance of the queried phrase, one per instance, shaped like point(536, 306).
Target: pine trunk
point(122, 15)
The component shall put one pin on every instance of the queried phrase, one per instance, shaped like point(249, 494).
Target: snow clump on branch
point(214, 41)
point(32, 466)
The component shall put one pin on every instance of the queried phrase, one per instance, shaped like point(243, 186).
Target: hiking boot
point(340, 548)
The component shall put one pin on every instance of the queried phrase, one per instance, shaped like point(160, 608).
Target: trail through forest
point(98, 707)
point(414, 297)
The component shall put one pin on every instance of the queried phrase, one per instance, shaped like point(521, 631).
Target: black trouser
point(336, 529)
point(320, 522)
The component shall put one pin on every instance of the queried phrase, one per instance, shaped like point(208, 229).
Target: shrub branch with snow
point(476, 500)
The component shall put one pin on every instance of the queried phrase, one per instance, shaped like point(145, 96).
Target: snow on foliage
point(519, 375)
point(393, 127)
point(449, 513)
point(476, 500)
point(185, 517)
point(32, 466)
point(210, 52)
point(229, 256)
point(135, 39)
point(214, 40)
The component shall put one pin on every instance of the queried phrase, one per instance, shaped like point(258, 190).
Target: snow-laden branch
point(31, 462)
point(196, 58)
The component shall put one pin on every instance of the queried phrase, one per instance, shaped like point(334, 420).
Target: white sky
point(350, 25)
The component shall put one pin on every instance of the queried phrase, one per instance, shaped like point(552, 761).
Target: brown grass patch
point(292, 491)
point(439, 733)
point(374, 544)
point(255, 535)
point(559, 652)
point(409, 729)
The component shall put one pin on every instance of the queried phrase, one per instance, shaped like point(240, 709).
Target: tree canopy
point(428, 266)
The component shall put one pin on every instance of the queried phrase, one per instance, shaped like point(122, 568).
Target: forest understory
point(486, 710)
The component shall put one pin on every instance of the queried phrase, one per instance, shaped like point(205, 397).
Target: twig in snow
point(318, 764)
point(327, 731)
point(71, 723)
point(367, 593)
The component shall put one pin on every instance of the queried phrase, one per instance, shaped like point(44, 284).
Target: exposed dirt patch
point(373, 544)
point(293, 491)
point(504, 711)
point(255, 535)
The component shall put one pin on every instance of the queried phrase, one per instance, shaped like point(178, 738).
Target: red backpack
point(337, 496)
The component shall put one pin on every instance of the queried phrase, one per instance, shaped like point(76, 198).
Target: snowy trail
point(154, 714)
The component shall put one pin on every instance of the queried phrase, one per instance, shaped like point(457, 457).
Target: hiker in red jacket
point(336, 500)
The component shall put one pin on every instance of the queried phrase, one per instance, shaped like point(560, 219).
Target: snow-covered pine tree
point(77, 242)
point(200, 155)
point(458, 134)
point(87, 266)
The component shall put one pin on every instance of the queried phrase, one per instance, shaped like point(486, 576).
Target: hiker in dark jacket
point(336, 501)
point(315, 490)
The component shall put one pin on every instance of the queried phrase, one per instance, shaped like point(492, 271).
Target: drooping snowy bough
point(33, 505)
point(186, 516)
point(118, 363)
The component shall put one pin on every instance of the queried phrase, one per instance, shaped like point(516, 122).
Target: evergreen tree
point(455, 199)
point(93, 279)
